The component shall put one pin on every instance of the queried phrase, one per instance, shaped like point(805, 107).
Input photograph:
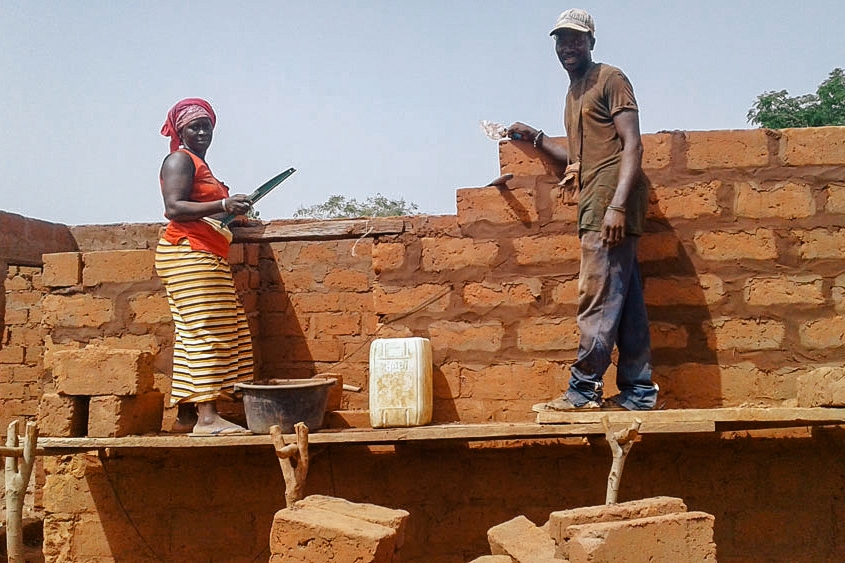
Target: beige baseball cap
point(577, 19)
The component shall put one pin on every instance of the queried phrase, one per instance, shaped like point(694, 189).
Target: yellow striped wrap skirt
point(212, 349)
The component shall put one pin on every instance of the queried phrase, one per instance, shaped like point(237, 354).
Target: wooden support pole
point(620, 444)
point(293, 459)
point(18, 472)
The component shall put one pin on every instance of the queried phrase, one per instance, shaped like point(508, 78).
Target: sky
point(362, 98)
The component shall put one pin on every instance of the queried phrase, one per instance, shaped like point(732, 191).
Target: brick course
point(103, 371)
point(117, 266)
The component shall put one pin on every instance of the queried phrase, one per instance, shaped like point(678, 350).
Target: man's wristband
point(223, 203)
point(618, 208)
point(538, 139)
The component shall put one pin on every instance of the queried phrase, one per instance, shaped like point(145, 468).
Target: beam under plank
point(320, 230)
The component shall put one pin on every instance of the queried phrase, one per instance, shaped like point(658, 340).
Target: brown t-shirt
point(601, 94)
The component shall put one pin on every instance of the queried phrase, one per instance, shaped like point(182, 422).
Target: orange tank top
point(199, 234)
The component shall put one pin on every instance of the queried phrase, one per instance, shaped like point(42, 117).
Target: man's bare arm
point(627, 125)
point(529, 135)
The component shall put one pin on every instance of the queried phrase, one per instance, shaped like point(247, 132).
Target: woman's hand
point(237, 204)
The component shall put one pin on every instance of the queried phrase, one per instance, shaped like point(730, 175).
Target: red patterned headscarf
point(183, 113)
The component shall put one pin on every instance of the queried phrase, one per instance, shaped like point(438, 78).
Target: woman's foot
point(186, 418)
point(210, 423)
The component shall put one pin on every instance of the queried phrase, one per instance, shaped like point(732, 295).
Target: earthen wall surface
point(742, 265)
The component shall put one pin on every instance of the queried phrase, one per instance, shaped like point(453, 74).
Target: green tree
point(338, 207)
point(777, 110)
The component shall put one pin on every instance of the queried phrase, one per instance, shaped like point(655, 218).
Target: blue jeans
point(611, 311)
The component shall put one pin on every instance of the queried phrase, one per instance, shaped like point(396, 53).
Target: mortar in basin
point(285, 402)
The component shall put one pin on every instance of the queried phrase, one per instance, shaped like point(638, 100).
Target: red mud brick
point(522, 540)
point(822, 387)
point(522, 159)
point(346, 280)
point(564, 209)
point(727, 149)
point(440, 254)
point(513, 381)
point(389, 517)
point(667, 335)
point(340, 301)
point(565, 292)
point(142, 342)
point(76, 311)
point(388, 256)
point(318, 252)
point(778, 290)
point(111, 416)
point(787, 200)
point(102, 371)
point(835, 197)
point(500, 206)
point(16, 316)
point(548, 334)
point(236, 254)
point(657, 151)
point(744, 334)
point(447, 381)
point(313, 535)
point(746, 384)
point(704, 290)
point(398, 300)
point(347, 324)
point(62, 415)
point(251, 254)
point(464, 336)
point(150, 308)
point(13, 390)
point(653, 247)
point(736, 245)
point(106, 266)
point(298, 279)
point(821, 243)
point(25, 241)
point(813, 146)
point(347, 419)
point(689, 202)
point(823, 333)
point(293, 348)
point(561, 520)
point(660, 539)
point(513, 293)
point(12, 354)
point(25, 336)
point(22, 300)
point(17, 283)
point(547, 249)
point(66, 487)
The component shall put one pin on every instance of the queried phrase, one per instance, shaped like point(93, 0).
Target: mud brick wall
point(777, 500)
point(742, 261)
point(743, 274)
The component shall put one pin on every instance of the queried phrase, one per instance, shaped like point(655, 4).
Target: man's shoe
point(614, 403)
point(562, 404)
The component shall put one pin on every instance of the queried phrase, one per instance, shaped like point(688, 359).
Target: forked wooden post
point(620, 444)
point(19, 462)
point(293, 458)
